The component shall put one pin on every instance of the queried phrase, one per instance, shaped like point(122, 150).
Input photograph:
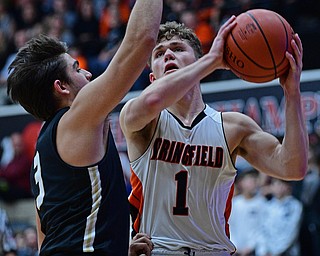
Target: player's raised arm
point(98, 98)
point(295, 144)
point(286, 159)
point(83, 125)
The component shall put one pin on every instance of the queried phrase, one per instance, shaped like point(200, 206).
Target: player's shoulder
point(235, 117)
point(238, 121)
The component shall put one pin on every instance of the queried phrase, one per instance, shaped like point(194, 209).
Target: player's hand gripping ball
point(255, 49)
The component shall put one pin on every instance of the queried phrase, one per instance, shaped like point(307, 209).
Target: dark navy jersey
point(83, 210)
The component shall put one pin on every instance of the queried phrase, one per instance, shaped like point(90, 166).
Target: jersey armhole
point(226, 142)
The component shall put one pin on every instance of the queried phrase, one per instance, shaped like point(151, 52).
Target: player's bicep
point(261, 150)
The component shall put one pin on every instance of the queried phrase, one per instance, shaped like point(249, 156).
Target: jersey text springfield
point(186, 154)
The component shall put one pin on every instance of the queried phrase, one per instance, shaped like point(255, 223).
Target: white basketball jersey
point(183, 184)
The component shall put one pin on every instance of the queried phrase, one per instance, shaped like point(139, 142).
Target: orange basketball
point(255, 49)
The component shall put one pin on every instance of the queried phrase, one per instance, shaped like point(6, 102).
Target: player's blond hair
point(172, 28)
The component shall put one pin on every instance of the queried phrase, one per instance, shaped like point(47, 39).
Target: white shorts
point(189, 252)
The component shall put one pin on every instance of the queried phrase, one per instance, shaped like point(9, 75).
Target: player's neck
point(187, 111)
point(189, 106)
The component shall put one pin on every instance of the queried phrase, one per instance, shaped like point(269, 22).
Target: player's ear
point(152, 77)
point(60, 88)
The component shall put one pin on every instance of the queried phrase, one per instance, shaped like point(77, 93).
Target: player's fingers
point(142, 238)
point(292, 61)
point(299, 43)
point(139, 235)
point(146, 241)
point(228, 25)
point(295, 59)
point(298, 50)
point(139, 249)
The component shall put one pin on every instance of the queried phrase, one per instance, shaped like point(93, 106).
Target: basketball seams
point(255, 48)
point(247, 56)
point(266, 41)
point(271, 75)
point(287, 42)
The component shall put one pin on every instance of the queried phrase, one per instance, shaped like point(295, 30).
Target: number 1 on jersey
point(181, 195)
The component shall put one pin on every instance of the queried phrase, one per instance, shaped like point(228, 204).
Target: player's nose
point(169, 55)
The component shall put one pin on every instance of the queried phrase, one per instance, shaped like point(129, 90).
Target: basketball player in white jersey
point(183, 152)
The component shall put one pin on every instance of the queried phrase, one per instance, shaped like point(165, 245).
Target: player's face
point(79, 77)
point(169, 56)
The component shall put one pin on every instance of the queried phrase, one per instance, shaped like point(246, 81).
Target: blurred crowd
point(16, 155)
point(16, 242)
point(272, 217)
point(93, 29)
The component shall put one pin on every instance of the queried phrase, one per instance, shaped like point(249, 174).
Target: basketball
point(255, 49)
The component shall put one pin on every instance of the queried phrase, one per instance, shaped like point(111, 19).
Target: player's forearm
point(129, 61)
point(171, 88)
point(295, 143)
point(144, 23)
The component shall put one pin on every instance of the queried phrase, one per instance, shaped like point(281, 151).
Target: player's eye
point(159, 54)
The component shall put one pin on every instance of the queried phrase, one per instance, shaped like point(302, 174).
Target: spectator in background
point(19, 39)
point(14, 177)
point(116, 28)
point(281, 222)
point(6, 34)
point(8, 244)
point(61, 8)
point(112, 28)
point(99, 5)
point(6, 20)
point(54, 26)
point(201, 27)
point(246, 214)
point(30, 135)
point(173, 9)
point(86, 29)
point(6, 151)
point(215, 13)
point(110, 41)
point(28, 16)
point(4, 46)
point(6, 31)
point(308, 192)
point(106, 21)
point(27, 242)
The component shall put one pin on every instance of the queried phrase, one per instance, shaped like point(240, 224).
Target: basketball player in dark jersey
point(76, 178)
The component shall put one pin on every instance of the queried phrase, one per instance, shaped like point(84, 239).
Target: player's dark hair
point(172, 28)
point(33, 72)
